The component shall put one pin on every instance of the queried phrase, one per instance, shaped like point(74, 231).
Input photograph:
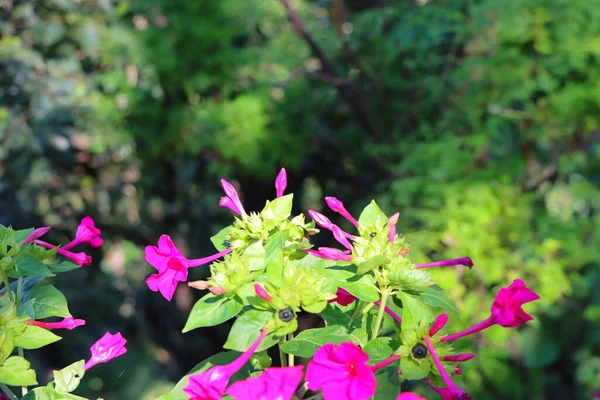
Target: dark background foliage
point(477, 120)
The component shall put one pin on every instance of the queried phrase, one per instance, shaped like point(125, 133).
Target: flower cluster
point(266, 272)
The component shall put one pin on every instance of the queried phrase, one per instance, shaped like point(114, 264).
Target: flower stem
point(20, 349)
point(474, 329)
point(6, 283)
point(8, 392)
point(384, 297)
point(282, 357)
point(290, 356)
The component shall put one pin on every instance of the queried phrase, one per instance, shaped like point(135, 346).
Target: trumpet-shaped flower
point(506, 310)
point(66, 323)
point(211, 384)
point(80, 259)
point(234, 203)
point(172, 266)
point(107, 348)
point(273, 384)
point(342, 373)
point(86, 233)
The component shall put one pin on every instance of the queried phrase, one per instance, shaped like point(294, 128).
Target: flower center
point(419, 351)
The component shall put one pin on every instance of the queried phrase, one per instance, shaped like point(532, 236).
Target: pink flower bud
point(459, 357)
point(228, 203)
point(107, 348)
point(280, 183)
point(337, 206)
point(217, 290)
point(320, 219)
point(438, 324)
point(36, 234)
point(67, 323)
point(339, 235)
point(262, 293)
point(233, 195)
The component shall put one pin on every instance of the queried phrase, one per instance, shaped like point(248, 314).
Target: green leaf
point(219, 240)
point(436, 298)
point(48, 393)
point(412, 369)
point(28, 265)
point(15, 372)
point(309, 341)
point(67, 379)
point(333, 315)
point(255, 254)
point(409, 279)
point(371, 214)
point(213, 310)
point(364, 288)
point(388, 383)
point(371, 263)
point(335, 272)
point(46, 301)
point(60, 267)
point(20, 235)
point(414, 311)
point(278, 209)
point(246, 329)
point(379, 349)
point(34, 337)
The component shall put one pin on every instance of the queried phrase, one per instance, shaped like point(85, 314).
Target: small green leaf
point(371, 214)
point(379, 349)
point(364, 288)
point(219, 240)
point(64, 266)
point(67, 379)
point(48, 393)
point(412, 369)
point(46, 301)
point(255, 254)
point(335, 316)
point(436, 298)
point(309, 341)
point(409, 279)
point(278, 209)
point(414, 311)
point(388, 383)
point(213, 310)
point(15, 372)
point(371, 263)
point(246, 329)
point(28, 265)
point(34, 337)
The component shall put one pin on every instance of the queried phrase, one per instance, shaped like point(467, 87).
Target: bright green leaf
point(414, 311)
point(213, 310)
point(67, 379)
point(246, 329)
point(35, 337)
point(309, 341)
point(15, 372)
point(364, 288)
point(46, 301)
point(219, 240)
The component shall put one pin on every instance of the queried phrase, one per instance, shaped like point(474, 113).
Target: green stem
point(290, 356)
point(301, 391)
point(282, 355)
point(8, 392)
point(20, 349)
point(6, 283)
point(315, 397)
point(384, 297)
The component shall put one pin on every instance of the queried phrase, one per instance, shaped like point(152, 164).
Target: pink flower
point(409, 396)
point(454, 391)
point(234, 202)
point(273, 384)
point(459, 357)
point(337, 206)
point(342, 373)
point(506, 310)
point(321, 220)
point(343, 297)
point(172, 266)
point(438, 324)
point(66, 323)
point(36, 234)
point(86, 233)
point(211, 384)
point(80, 259)
point(340, 236)
point(465, 261)
point(280, 182)
point(261, 292)
point(330, 254)
point(108, 347)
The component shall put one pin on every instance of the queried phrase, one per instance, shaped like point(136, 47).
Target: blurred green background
point(477, 120)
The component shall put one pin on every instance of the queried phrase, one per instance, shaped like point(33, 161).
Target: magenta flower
point(108, 347)
point(506, 310)
point(409, 396)
point(459, 357)
point(234, 203)
point(262, 293)
point(455, 391)
point(172, 266)
point(342, 373)
point(66, 323)
point(80, 259)
point(343, 297)
point(465, 261)
point(341, 237)
point(330, 254)
point(86, 233)
point(337, 206)
point(211, 384)
point(273, 384)
point(36, 234)
point(321, 220)
point(280, 183)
